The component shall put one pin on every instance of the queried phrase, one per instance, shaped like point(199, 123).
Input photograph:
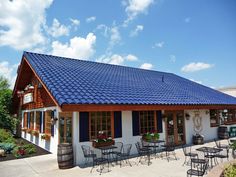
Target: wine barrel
point(65, 156)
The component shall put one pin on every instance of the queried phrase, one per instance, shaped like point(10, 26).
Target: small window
point(147, 121)
point(31, 120)
point(48, 122)
point(214, 118)
point(228, 116)
point(38, 120)
point(100, 121)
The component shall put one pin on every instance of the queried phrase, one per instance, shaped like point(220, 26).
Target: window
point(25, 120)
point(65, 127)
point(147, 121)
point(37, 120)
point(48, 122)
point(31, 120)
point(214, 118)
point(100, 121)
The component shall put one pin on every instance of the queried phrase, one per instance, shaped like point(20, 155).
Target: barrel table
point(65, 156)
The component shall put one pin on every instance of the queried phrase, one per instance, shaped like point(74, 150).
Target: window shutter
point(28, 119)
point(52, 130)
point(83, 126)
point(135, 123)
point(159, 121)
point(40, 122)
point(43, 122)
point(117, 124)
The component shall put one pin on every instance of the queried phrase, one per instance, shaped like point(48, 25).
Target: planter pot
point(35, 133)
point(234, 153)
point(198, 140)
point(102, 144)
point(46, 137)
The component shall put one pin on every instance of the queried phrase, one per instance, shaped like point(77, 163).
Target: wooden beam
point(110, 107)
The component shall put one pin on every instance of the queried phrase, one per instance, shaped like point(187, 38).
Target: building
point(69, 100)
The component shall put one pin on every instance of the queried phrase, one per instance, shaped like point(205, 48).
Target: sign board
point(28, 98)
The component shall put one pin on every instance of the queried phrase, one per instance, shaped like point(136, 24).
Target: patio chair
point(221, 146)
point(169, 149)
point(198, 167)
point(125, 153)
point(224, 154)
point(142, 151)
point(88, 154)
point(117, 151)
point(188, 153)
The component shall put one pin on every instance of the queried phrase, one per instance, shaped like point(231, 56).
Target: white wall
point(50, 145)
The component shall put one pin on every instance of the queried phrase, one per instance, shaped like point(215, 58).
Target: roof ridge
point(89, 61)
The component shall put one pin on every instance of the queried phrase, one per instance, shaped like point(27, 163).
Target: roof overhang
point(116, 107)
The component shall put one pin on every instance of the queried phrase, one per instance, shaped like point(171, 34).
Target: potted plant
point(233, 146)
point(102, 140)
point(45, 136)
point(35, 132)
point(151, 136)
point(29, 131)
point(24, 129)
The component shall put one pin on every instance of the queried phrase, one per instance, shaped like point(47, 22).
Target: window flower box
point(24, 129)
point(35, 132)
point(45, 137)
point(151, 136)
point(102, 140)
point(29, 131)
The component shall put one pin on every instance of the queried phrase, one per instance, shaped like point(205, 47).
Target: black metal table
point(106, 151)
point(209, 152)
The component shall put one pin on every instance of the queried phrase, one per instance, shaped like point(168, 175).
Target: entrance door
point(65, 128)
point(175, 130)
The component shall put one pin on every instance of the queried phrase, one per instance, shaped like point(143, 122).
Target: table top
point(193, 160)
point(155, 141)
point(209, 149)
point(107, 147)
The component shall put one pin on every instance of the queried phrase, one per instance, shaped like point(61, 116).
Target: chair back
point(217, 143)
point(127, 148)
point(119, 146)
point(170, 147)
point(138, 147)
point(86, 150)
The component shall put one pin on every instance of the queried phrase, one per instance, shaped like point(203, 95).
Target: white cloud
point(146, 66)
point(114, 36)
point(57, 29)
point(9, 72)
point(90, 19)
point(81, 48)
point(22, 23)
point(135, 32)
point(134, 8)
point(193, 67)
point(131, 57)
point(158, 45)
point(75, 22)
point(116, 59)
point(173, 58)
point(187, 19)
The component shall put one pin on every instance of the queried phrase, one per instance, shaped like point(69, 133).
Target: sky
point(193, 39)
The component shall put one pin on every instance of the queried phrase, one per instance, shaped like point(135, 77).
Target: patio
point(46, 166)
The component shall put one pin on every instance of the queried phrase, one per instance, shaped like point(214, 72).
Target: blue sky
point(193, 39)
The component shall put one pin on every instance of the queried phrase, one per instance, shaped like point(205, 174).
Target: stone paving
point(46, 166)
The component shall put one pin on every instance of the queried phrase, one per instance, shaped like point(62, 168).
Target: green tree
point(6, 120)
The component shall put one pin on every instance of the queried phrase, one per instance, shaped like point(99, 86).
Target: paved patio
point(46, 166)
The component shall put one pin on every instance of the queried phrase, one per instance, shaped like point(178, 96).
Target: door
point(65, 128)
point(175, 129)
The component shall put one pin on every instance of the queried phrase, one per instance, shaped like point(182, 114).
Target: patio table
point(105, 150)
point(154, 144)
point(209, 152)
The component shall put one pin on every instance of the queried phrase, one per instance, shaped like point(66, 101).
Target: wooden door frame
point(174, 113)
point(65, 114)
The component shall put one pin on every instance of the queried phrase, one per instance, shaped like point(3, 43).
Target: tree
point(6, 120)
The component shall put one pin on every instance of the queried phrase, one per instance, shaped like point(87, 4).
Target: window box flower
point(29, 131)
point(45, 137)
point(151, 136)
point(35, 132)
point(102, 141)
point(24, 129)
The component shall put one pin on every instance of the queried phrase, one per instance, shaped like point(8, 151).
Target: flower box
point(29, 131)
point(35, 132)
point(46, 137)
point(24, 129)
point(151, 137)
point(102, 144)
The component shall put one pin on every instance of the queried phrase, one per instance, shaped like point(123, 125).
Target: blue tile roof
point(73, 81)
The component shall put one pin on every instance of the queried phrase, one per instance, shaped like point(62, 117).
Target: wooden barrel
point(65, 156)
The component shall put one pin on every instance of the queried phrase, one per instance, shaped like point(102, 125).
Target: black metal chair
point(198, 167)
point(224, 154)
point(169, 149)
point(125, 153)
point(221, 146)
point(88, 153)
point(115, 152)
point(142, 152)
point(188, 153)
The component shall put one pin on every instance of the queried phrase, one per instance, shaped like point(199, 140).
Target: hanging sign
point(28, 97)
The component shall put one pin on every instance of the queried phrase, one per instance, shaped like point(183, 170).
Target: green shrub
point(230, 171)
point(6, 137)
point(29, 148)
point(7, 147)
point(18, 151)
